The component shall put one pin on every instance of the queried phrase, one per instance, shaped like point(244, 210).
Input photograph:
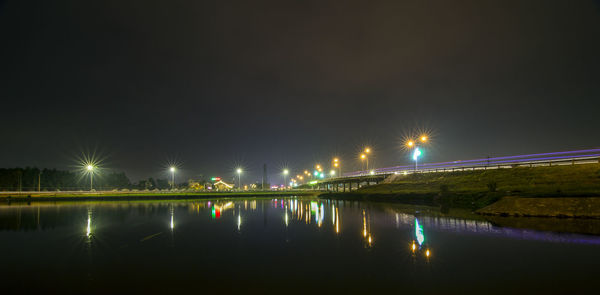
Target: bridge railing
point(492, 163)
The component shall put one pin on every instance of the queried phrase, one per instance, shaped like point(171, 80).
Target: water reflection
point(293, 212)
point(376, 244)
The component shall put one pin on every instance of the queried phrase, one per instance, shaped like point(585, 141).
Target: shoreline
point(132, 196)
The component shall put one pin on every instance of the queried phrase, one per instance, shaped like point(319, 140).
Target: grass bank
point(480, 188)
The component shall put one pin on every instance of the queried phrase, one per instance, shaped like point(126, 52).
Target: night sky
point(217, 84)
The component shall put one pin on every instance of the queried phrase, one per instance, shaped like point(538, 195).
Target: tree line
point(32, 179)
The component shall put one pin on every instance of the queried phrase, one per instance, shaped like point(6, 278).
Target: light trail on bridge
point(565, 156)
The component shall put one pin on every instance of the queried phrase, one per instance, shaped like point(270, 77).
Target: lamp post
point(285, 173)
point(90, 169)
point(337, 165)
point(239, 172)
point(172, 169)
point(417, 152)
point(367, 152)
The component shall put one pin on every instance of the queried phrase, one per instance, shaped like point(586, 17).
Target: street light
point(239, 172)
point(90, 169)
point(417, 151)
point(285, 173)
point(172, 169)
point(365, 156)
point(416, 155)
point(336, 164)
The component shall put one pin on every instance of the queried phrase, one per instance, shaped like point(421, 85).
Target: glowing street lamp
point(239, 172)
point(90, 170)
point(172, 169)
point(285, 173)
point(416, 155)
point(337, 165)
point(365, 156)
point(417, 151)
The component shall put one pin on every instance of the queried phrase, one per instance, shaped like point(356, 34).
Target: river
point(289, 245)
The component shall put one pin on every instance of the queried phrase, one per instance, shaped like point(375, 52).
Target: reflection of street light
point(172, 169)
point(90, 170)
point(285, 173)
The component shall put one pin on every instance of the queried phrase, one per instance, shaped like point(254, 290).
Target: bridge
point(354, 180)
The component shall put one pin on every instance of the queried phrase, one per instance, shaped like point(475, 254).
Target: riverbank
point(477, 189)
point(141, 195)
point(546, 207)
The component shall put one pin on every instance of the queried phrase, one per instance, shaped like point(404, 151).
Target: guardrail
point(544, 159)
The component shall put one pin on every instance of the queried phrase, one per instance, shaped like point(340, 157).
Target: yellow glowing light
point(239, 170)
point(367, 150)
point(172, 169)
point(332, 172)
point(363, 156)
point(285, 171)
point(424, 138)
point(90, 167)
point(414, 247)
point(335, 164)
point(335, 160)
point(370, 239)
point(410, 143)
point(427, 253)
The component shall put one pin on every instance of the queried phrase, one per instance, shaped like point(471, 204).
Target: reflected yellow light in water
point(364, 224)
point(286, 219)
point(370, 240)
point(414, 247)
point(427, 253)
point(172, 224)
point(337, 224)
point(239, 221)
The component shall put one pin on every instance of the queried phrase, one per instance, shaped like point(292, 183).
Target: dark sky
point(217, 84)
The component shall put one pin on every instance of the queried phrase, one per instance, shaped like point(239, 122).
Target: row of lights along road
point(318, 173)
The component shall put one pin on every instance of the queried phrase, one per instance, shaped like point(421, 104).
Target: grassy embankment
point(141, 195)
point(479, 188)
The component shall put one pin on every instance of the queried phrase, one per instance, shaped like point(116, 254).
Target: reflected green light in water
point(419, 232)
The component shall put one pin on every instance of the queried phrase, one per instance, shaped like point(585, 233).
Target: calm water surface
point(290, 245)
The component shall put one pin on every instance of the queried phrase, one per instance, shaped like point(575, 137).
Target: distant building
point(222, 186)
